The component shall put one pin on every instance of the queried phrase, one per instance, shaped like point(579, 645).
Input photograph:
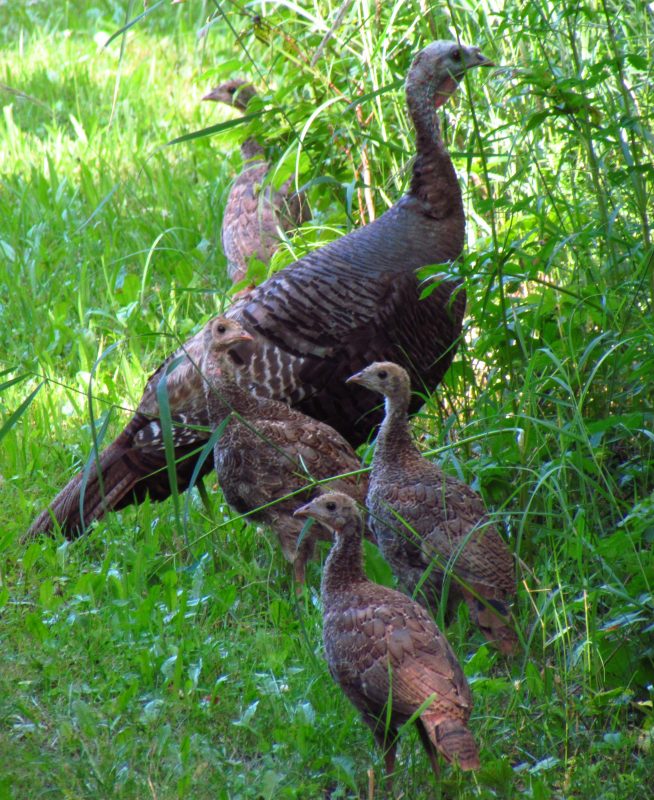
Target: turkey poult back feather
point(269, 455)
point(383, 648)
point(352, 302)
point(255, 212)
point(424, 520)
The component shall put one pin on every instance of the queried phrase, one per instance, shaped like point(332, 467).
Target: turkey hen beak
point(210, 96)
point(356, 378)
point(475, 58)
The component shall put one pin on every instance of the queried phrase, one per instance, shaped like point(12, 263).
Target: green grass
point(169, 660)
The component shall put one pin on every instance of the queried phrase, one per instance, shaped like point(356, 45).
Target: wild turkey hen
point(425, 521)
point(269, 456)
point(255, 212)
point(338, 308)
point(382, 647)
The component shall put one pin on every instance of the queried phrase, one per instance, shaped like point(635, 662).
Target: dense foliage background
point(165, 655)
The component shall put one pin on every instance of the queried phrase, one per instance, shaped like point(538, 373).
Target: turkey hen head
point(439, 68)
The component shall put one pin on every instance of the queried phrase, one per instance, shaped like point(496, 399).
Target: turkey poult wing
point(448, 517)
point(389, 647)
point(451, 532)
point(260, 461)
point(255, 216)
point(266, 469)
point(250, 222)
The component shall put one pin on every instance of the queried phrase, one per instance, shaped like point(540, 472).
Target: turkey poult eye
point(331, 506)
point(383, 374)
point(221, 329)
point(456, 55)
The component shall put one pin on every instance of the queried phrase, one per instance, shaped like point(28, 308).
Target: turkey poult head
point(385, 378)
point(236, 93)
point(334, 510)
point(222, 334)
point(438, 69)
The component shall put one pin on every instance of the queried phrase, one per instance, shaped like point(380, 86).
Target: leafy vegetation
point(166, 656)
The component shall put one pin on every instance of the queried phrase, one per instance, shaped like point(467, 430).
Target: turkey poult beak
point(241, 337)
point(234, 339)
point(356, 378)
point(303, 511)
point(210, 96)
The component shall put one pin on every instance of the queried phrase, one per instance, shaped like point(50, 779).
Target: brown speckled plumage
point(382, 646)
point(425, 521)
point(255, 211)
point(338, 308)
point(269, 451)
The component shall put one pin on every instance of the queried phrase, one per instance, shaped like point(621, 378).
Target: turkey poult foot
point(427, 522)
point(337, 309)
point(383, 648)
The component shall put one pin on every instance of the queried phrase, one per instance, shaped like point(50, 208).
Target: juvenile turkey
point(338, 308)
point(383, 647)
point(269, 456)
point(255, 212)
point(425, 521)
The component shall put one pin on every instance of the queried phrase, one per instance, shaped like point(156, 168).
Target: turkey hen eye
point(331, 506)
point(221, 329)
point(383, 374)
point(456, 55)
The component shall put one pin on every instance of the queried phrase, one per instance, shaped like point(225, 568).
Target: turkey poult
point(425, 521)
point(255, 212)
point(268, 453)
point(382, 647)
point(340, 307)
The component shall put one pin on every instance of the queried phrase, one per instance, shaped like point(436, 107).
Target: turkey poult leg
point(328, 315)
point(389, 766)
